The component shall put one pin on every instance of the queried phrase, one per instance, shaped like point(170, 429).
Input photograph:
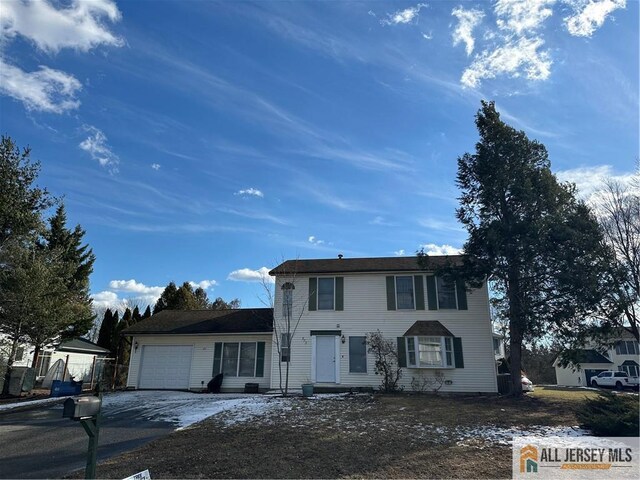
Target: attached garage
point(165, 367)
point(185, 349)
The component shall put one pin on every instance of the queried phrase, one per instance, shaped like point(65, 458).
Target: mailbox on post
point(78, 408)
point(87, 411)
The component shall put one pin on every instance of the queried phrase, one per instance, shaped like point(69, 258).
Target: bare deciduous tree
point(286, 317)
point(618, 207)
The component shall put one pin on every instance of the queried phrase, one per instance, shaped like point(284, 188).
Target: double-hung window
point(239, 359)
point(429, 352)
point(357, 355)
point(405, 299)
point(446, 294)
point(326, 290)
point(626, 347)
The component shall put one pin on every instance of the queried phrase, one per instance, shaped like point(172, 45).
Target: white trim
point(313, 358)
point(213, 334)
point(443, 352)
point(337, 355)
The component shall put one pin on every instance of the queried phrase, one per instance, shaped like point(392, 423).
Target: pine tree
point(104, 336)
point(541, 247)
point(147, 312)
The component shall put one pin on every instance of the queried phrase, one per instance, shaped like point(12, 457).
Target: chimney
point(340, 256)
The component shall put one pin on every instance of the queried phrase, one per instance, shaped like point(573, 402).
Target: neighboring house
point(437, 326)
point(184, 349)
point(79, 355)
point(622, 355)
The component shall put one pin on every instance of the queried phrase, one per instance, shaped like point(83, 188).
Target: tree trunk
point(36, 354)
point(10, 361)
point(516, 330)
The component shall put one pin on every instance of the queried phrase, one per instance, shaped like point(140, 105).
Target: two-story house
point(332, 304)
point(622, 355)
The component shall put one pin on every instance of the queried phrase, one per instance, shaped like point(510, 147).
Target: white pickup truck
point(618, 380)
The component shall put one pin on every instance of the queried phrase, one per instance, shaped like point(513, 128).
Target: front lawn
point(369, 436)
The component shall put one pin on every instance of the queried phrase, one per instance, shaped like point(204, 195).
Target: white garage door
point(165, 366)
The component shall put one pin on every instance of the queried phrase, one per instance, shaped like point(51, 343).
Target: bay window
point(429, 352)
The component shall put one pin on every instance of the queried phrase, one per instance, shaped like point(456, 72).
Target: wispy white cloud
point(521, 58)
point(255, 215)
point(45, 90)
point(79, 24)
point(247, 275)
point(433, 249)
point(155, 166)
point(408, 15)
point(399, 253)
point(440, 225)
point(96, 145)
point(204, 284)
point(250, 192)
point(522, 16)
point(590, 15)
point(427, 36)
point(467, 21)
point(380, 220)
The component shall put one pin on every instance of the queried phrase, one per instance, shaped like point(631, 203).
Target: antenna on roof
point(340, 256)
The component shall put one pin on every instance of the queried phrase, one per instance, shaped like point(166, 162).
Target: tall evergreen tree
point(106, 327)
point(167, 299)
point(542, 248)
point(147, 312)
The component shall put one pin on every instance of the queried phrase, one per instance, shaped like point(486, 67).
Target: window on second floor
point(447, 299)
point(287, 302)
point(326, 293)
point(627, 347)
point(404, 293)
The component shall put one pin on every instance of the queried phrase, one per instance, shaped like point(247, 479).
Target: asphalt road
point(39, 443)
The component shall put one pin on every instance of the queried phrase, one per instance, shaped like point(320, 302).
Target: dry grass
point(403, 436)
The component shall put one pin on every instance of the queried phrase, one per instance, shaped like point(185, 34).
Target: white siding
point(365, 310)
point(572, 377)
point(202, 360)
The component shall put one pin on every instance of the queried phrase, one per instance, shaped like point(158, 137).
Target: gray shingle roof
point(357, 265)
point(189, 322)
point(592, 356)
point(81, 345)
point(428, 328)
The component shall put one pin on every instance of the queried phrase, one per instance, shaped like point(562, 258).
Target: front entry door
point(325, 359)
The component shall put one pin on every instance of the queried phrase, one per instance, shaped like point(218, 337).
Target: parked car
point(611, 379)
point(527, 385)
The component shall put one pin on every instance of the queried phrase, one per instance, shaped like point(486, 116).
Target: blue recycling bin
point(64, 389)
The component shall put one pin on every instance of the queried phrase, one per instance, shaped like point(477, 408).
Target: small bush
point(386, 361)
point(610, 415)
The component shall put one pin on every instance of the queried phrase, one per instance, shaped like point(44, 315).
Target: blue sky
point(205, 142)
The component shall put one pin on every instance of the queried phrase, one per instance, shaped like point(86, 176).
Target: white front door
point(325, 359)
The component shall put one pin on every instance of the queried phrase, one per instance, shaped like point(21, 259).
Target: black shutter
point(217, 358)
point(339, 293)
point(313, 294)
point(457, 352)
point(391, 293)
point(402, 352)
point(419, 286)
point(462, 295)
point(260, 360)
point(432, 295)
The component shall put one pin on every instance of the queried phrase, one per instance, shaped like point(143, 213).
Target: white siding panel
point(365, 311)
point(202, 359)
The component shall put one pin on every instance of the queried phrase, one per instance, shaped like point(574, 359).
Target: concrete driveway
point(39, 443)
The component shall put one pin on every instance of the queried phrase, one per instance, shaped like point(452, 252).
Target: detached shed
point(184, 349)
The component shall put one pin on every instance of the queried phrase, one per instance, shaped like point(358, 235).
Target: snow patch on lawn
point(43, 401)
